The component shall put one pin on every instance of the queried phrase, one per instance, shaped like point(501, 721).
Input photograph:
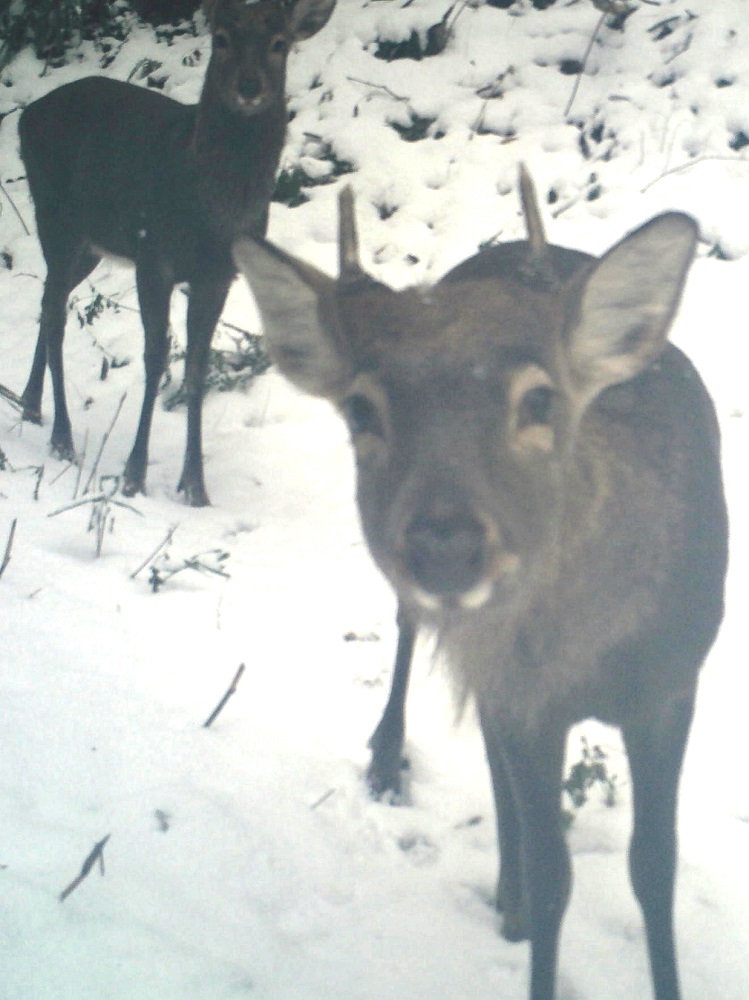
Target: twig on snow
point(600, 23)
point(104, 440)
point(39, 474)
point(8, 546)
point(97, 854)
point(323, 798)
point(15, 209)
point(379, 86)
point(101, 508)
point(691, 163)
point(79, 465)
point(12, 398)
point(230, 691)
point(162, 545)
point(160, 574)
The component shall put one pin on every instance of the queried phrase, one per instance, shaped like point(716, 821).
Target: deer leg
point(510, 896)
point(655, 752)
point(32, 394)
point(206, 303)
point(57, 287)
point(386, 742)
point(155, 286)
point(527, 767)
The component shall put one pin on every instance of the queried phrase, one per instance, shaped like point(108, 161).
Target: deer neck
point(236, 157)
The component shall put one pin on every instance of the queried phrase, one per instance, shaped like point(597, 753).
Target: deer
point(122, 171)
point(538, 477)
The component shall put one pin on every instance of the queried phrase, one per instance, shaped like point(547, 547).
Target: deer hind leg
point(66, 268)
point(155, 284)
point(656, 750)
point(207, 298)
point(386, 742)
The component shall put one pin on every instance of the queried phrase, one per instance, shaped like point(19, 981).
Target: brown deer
point(118, 170)
point(539, 478)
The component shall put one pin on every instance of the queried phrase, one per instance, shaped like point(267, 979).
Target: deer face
point(464, 401)
point(250, 46)
point(458, 425)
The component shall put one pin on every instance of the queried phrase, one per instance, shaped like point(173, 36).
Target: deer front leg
point(207, 300)
point(655, 750)
point(511, 901)
point(526, 768)
point(386, 742)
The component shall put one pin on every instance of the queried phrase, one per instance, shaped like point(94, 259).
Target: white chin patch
point(427, 601)
point(478, 596)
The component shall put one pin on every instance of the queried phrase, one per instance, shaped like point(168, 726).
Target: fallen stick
point(11, 397)
point(231, 690)
point(8, 546)
point(162, 544)
point(97, 854)
point(105, 438)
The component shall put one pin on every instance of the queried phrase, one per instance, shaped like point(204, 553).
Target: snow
point(246, 860)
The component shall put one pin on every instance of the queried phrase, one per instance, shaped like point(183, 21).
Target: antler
point(348, 241)
point(536, 235)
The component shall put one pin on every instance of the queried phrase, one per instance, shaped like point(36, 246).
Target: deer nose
point(250, 86)
point(446, 553)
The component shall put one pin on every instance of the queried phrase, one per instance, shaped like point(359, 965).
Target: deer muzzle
point(252, 92)
point(454, 558)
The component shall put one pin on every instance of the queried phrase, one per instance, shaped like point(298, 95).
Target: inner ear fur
point(297, 306)
point(622, 314)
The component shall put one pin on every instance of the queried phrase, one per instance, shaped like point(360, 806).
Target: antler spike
point(529, 200)
point(348, 241)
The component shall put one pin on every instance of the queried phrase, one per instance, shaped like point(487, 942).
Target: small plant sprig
point(38, 470)
point(101, 520)
point(227, 369)
point(209, 561)
point(590, 770)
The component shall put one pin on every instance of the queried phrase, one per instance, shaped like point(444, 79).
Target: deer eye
point(531, 406)
point(362, 416)
point(220, 41)
point(278, 46)
point(535, 407)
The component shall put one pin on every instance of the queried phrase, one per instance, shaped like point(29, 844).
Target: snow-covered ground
point(247, 860)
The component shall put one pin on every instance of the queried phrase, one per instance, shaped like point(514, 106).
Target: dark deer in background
point(119, 170)
point(539, 478)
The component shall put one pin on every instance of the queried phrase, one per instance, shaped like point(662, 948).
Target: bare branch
point(12, 398)
point(39, 474)
point(104, 440)
point(599, 24)
point(162, 544)
point(378, 86)
point(79, 464)
point(8, 546)
point(97, 854)
point(15, 209)
point(692, 163)
point(323, 798)
point(231, 690)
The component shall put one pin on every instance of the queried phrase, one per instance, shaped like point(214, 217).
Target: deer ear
point(310, 16)
point(296, 304)
point(628, 303)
